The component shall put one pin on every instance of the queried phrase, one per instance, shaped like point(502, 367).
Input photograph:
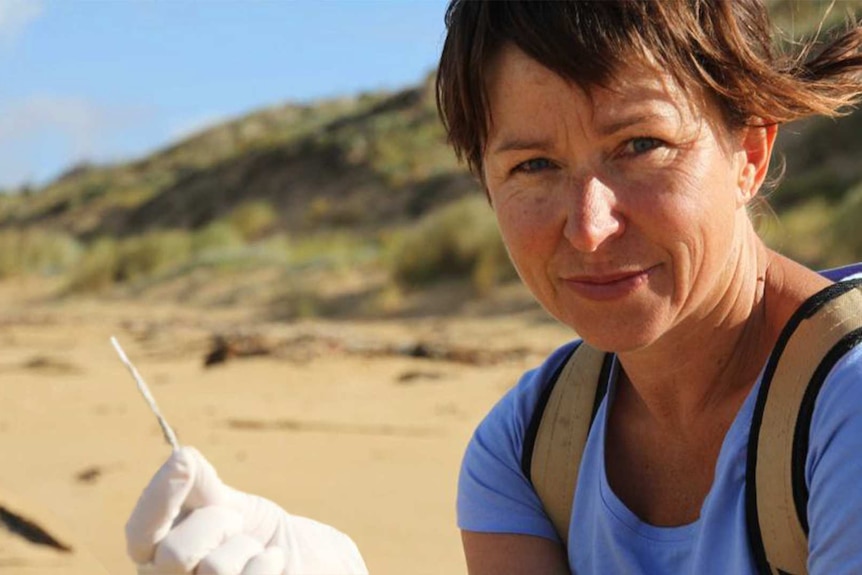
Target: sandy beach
point(339, 421)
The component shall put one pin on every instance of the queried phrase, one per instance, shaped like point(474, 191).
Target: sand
point(368, 442)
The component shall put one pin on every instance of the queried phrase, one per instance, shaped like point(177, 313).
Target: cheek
point(693, 216)
point(529, 229)
point(686, 201)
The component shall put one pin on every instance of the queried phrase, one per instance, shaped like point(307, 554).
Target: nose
point(592, 217)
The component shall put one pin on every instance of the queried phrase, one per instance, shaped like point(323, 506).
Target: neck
point(709, 360)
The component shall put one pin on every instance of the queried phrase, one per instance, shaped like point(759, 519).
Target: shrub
point(458, 241)
point(331, 249)
point(492, 266)
point(802, 232)
point(97, 269)
point(107, 262)
point(36, 251)
point(217, 236)
point(151, 253)
point(253, 220)
point(846, 242)
point(51, 252)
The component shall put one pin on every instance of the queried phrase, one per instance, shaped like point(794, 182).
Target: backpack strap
point(823, 329)
point(561, 424)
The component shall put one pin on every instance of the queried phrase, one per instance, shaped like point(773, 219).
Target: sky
point(112, 80)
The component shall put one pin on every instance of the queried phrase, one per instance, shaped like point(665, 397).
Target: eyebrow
point(518, 143)
point(619, 125)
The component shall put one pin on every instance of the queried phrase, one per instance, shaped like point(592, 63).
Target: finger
point(159, 505)
point(230, 557)
point(195, 537)
point(268, 562)
point(208, 488)
point(261, 516)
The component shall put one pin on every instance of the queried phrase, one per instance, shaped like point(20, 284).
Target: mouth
point(610, 286)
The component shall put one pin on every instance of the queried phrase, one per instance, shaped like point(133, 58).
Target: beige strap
point(784, 540)
point(562, 435)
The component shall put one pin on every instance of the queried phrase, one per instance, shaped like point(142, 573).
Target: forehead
point(521, 89)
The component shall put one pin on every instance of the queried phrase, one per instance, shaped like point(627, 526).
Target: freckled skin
point(601, 208)
point(641, 183)
point(638, 180)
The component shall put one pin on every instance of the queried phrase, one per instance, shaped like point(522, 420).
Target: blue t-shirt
point(605, 537)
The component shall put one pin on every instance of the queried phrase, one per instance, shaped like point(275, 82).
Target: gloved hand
point(188, 521)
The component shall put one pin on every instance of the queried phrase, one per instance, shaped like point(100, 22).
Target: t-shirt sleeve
point(834, 472)
point(494, 496)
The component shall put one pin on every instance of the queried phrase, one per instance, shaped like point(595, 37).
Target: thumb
point(184, 482)
point(207, 488)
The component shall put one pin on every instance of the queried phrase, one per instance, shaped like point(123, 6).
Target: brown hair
point(722, 47)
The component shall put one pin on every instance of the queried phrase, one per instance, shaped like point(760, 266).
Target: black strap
point(604, 382)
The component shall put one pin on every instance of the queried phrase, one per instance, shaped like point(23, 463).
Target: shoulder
point(494, 495)
point(833, 468)
point(513, 413)
point(839, 402)
point(844, 273)
point(840, 396)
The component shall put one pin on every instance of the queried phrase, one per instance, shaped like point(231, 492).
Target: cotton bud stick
point(169, 434)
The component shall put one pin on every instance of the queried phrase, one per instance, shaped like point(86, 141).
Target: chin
point(616, 343)
point(620, 334)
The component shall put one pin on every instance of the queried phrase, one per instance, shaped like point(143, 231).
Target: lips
point(608, 286)
point(606, 279)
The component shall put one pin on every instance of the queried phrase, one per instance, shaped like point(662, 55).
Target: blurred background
point(145, 142)
point(257, 198)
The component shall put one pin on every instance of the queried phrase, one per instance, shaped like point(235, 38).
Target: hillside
point(269, 207)
point(356, 162)
point(362, 185)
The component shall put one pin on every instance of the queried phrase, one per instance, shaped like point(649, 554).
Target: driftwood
point(306, 347)
point(330, 427)
point(28, 521)
point(51, 365)
point(225, 347)
point(90, 474)
point(219, 345)
point(30, 530)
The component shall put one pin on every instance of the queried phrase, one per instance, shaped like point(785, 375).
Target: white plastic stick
point(170, 436)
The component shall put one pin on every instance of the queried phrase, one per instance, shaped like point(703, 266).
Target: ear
point(755, 152)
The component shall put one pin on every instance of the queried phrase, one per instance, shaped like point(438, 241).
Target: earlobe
point(757, 143)
point(746, 183)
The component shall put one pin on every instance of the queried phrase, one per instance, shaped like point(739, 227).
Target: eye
point(533, 165)
point(638, 146)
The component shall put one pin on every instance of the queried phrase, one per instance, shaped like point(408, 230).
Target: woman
point(621, 145)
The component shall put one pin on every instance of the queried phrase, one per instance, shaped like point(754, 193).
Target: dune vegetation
point(359, 192)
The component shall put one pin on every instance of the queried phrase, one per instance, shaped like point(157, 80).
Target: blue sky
point(107, 80)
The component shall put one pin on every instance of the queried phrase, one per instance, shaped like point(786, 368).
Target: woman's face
point(623, 209)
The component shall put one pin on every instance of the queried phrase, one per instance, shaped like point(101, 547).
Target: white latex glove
point(188, 521)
